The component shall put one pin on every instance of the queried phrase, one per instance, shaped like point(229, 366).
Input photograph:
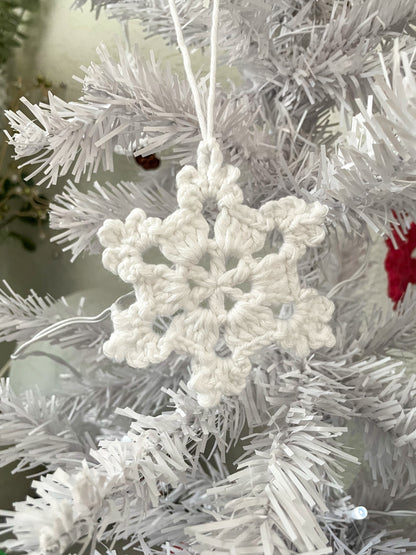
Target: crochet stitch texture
point(214, 295)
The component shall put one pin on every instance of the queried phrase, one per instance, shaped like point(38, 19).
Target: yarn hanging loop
point(213, 70)
point(206, 123)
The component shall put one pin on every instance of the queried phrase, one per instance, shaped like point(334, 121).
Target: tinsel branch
point(21, 318)
point(262, 505)
point(373, 166)
point(81, 215)
point(38, 431)
point(119, 489)
point(153, 453)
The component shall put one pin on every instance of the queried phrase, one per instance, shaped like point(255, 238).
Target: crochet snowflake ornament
point(214, 295)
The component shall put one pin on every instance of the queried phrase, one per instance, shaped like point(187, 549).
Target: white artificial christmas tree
point(215, 407)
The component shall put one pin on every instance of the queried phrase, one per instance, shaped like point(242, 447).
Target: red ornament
point(399, 264)
point(150, 162)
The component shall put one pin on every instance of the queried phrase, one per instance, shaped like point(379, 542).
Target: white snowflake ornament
point(208, 290)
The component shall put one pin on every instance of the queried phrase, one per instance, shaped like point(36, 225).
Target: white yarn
point(188, 68)
point(193, 297)
point(213, 70)
point(208, 125)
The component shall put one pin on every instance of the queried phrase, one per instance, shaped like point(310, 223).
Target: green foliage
point(21, 200)
point(12, 14)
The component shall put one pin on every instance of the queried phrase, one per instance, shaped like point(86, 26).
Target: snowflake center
point(215, 284)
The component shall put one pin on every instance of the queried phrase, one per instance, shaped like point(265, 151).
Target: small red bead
point(150, 162)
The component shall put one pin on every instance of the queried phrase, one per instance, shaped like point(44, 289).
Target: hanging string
point(188, 68)
point(207, 124)
point(213, 69)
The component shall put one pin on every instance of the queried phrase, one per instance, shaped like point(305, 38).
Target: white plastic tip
point(359, 513)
